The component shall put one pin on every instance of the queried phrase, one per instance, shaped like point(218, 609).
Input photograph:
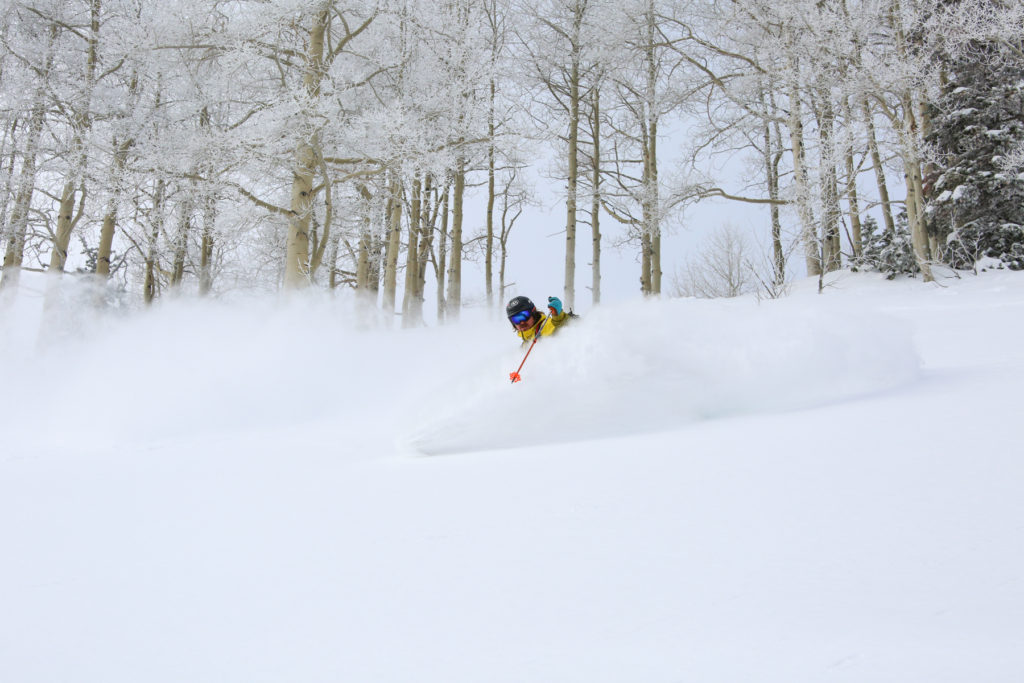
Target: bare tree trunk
point(332, 263)
point(181, 242)
point(809, 232)
point(454, 305)
point(363, 258)
point(503, 247)
point(209, 204)
point(150, 283)
point(14, 252)
point(489, 246)
point(207, 245)
point(65, 222)
point(427, 222)
point(830, 211)
point(853, 204)
point(442, 255)
point(296, 273)
point(363, 289)
point(319, 247)
point(651, 242)
point(569, 293)
point(82, 123)
point(909, 137)
point(377, 246)
point(645, 262)
point(394, 244)
point(109, 226)
point(915, 191)
point(412, 314)
point(772, 158)
point(595, 206)
point(876, 162)
point(652, 205)
point(935, 241)
point(306, 160)
point(656, 263)
point(8, 173)
point(915, 220)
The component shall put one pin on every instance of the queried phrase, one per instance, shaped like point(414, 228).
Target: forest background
point(204, 147)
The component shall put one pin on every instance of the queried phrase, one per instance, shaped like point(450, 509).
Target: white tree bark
point(453, 306)
point(81, 123)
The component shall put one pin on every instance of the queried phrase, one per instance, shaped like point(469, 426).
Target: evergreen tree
point(887, 251)
point(976, 209)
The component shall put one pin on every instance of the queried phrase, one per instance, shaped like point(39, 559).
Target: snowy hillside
point(819, 488)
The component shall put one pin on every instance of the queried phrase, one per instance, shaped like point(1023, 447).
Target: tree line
point(207, 145)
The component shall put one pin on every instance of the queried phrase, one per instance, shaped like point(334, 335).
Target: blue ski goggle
point(520, 317)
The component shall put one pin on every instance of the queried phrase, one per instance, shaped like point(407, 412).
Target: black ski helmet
point(518, 305)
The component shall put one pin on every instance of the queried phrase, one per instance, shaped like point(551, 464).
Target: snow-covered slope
point(817, 488)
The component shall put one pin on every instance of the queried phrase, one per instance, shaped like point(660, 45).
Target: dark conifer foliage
point(976, 207)
point(886, 251)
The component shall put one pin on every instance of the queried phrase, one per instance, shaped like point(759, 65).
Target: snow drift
point(661, 365)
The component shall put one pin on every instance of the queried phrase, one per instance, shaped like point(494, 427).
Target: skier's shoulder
point(564, 318)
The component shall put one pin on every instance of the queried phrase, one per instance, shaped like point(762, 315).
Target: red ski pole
point(515, 375)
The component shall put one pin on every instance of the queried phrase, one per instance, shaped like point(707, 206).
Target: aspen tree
point(319, 245)
point(320, 50)
point(209, 211)
point(879, 169)
point(772, 158)
point(569, 289)
point(412, 310)
point(910, 151)
point(151, 267)
point(366, 278)
point(181, 238)
point(15, 248)
point(206, 248)
point(828, 182)
point(489, 230)
point(651, 254)
point(495, 23)
point(853, 60)
point(595, 203)
point(80, 124)
point(8, 173)
point(648, 86)
point(795, 123)
point(852, 201)
point(306, 160)
point(559, 52)
point(109, 225)
point(394, 242)
point(857, 64)
point(442, 255)
point(428, 221)
point(453, 305)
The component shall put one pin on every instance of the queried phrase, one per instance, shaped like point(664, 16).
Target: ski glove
point(555, 305)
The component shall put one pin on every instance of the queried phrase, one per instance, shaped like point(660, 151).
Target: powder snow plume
point(660, 365)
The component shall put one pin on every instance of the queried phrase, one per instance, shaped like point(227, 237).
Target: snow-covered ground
point(820, 488)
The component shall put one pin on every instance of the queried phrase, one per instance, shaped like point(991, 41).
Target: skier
point(530, 323)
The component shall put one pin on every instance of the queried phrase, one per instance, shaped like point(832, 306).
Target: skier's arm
point(556, 314)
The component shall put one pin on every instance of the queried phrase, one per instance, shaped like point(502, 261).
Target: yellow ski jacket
point(545, 327)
